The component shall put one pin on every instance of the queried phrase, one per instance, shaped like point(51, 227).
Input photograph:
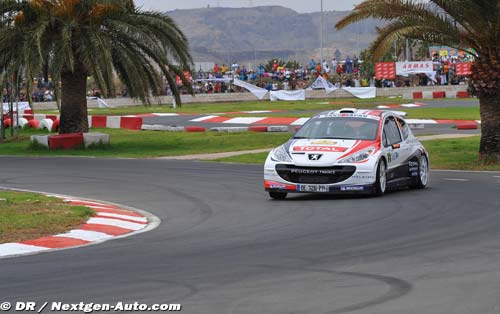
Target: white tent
point(321, 83)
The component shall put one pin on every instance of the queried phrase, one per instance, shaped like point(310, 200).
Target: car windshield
point(339, 128)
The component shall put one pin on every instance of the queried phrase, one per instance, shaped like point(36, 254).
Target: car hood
point(321, 152)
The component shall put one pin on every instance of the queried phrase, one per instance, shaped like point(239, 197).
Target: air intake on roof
point(348, 110)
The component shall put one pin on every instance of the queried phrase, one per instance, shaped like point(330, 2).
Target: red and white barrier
point(46, 124)
point(440, 94)
point(116, 122)
point(110, 122)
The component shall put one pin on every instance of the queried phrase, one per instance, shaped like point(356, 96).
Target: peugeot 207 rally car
point(348, 150)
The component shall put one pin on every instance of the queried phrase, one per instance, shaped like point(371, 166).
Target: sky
point(297, 5)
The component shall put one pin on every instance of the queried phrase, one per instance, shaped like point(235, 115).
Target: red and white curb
point(109, 222)
point(250, 112)
point(301, 121)
point(130, 122)
point(252, 120)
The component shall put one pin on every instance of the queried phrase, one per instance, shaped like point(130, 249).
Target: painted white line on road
point(203, 118)
point(453, 179)
point(496, 177)
point(467, 171)
point(166, 114)
point(248, 120)
point(410, 105)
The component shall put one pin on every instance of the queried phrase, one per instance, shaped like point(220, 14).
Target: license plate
point(313, 188)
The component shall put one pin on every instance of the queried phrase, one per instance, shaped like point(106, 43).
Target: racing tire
point(423, 173)
point(381, 182)
point(278, 195)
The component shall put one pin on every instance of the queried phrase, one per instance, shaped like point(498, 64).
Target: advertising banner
point(449, 52)
point(414, 67)
point(385, 70)
point(463, 68)
point(287, 95)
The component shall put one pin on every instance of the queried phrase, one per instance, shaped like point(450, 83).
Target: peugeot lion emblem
point(315, 157)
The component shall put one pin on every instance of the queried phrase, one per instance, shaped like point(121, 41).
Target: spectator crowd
point(349, 72)
point(278, 75)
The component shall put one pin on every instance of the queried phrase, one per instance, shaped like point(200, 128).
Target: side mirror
point(396, 146)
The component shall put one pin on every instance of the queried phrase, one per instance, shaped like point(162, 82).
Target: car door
point(410, 160)
point(393, 149)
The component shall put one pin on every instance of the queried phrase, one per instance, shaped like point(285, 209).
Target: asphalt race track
point(225, 247)
point(186, 120)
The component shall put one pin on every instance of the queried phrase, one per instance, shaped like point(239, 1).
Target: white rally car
point(348, 150)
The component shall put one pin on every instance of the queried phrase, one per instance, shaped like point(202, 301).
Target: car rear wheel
point(381, 182)
point(423, 173)
point(278, 195)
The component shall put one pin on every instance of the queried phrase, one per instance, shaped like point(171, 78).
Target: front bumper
point(271, 186)
point(361, 181)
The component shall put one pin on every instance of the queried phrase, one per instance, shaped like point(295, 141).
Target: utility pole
point(322, 34)
point(408, 57)
point(357, 39)
point(255, 59)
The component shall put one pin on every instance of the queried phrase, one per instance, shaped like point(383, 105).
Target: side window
point(391, 131)
point(405, 130)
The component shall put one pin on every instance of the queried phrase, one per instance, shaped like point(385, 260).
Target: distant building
point(203, 66)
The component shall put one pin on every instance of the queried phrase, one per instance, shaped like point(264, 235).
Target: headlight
point(358, 157)
point(280, 154)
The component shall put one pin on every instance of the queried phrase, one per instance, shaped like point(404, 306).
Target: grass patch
point(309, 106)
point(458, 154)
point(316, 104)
point(146, 144)
point(454, 154)
point(28, 216)
point(258, 159)
point(455, 113)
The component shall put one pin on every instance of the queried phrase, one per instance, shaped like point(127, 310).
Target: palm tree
point(72, 40)
point(461, 24)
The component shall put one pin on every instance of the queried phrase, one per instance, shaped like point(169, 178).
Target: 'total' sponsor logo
point(331, 149)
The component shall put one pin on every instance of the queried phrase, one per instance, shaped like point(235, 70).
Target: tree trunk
point(74, 116)
point(490, 127)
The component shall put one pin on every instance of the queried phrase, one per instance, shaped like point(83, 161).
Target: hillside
point(225, 35)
